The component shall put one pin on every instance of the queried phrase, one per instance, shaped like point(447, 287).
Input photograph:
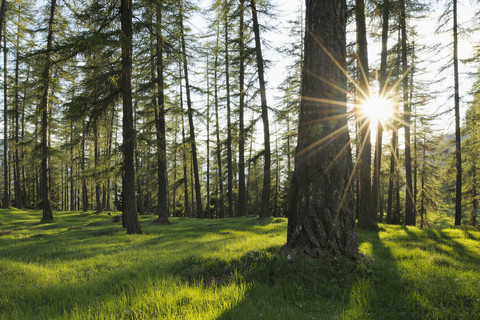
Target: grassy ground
point(228, 269)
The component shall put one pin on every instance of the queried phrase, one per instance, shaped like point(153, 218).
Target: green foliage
point(228, 269)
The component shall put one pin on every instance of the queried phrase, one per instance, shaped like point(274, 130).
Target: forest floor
point(80, 266)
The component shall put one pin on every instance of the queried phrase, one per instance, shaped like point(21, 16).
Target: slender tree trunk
point(366, 214)
point(229, 113)
point(72, 181)
point(26, 197)
point(242, 196)
point(265, 206)
point(198, 194)
point(45, 185)
point(130, 216)
point(422, 206)
point(17, 178)
point(220, 207)
point(409, 204)
point(321, 210)
point(458, 144)
point(82, 167)
point(96, 155)
point(162, 205)
point(379, 136)
point(184, 148)
point(6, 169)
point(207, 207)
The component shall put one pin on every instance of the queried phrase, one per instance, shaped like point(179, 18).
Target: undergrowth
point(81, 266)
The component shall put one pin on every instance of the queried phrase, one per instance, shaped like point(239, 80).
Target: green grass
point(228, 269)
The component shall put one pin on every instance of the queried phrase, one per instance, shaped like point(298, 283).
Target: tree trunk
point(220, 207)
point(45, 185)
point(82, 167)
point(379, 136)
point(208, 214)
point(17, 178)
point(410, 216)
point(130, 216)
point(99, 208)
point(162, 205)
point(458, 143)
point(242, 197)
point(6, 169)
point(321, 209)
point(366, 214)
point(265, 206)
point(198, 193)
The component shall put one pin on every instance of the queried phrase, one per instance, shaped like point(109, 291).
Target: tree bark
point(321, 208)
point(410, 215)
point(242, 196)
point(17, 178)
point(379, 135)
point(162, 205)
point(130, 216)
point(45, 185)
point(6, 169)
point(458, 143)
point(366, 214)
point(198, 194)
point(229, 114)
point(265, 206)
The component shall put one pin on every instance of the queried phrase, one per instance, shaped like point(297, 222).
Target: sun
point(377, 109)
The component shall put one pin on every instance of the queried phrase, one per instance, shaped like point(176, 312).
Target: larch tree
point(265, 205)
point(46, 75)
point(6, 173)
point(410, 214)
point(321, 219)
point(162, 207)
point(377, 162)
point(129, 212)
point(458, 143)
point(366, 215)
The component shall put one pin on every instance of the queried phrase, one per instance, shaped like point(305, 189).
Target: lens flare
point(377, 108)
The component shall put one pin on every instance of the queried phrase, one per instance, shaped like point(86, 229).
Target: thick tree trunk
point(458, 143)
point(130, 216)
point(45, 183)
point(379, 137)
point(265, 206)
point(366, 214)
point(321, 210)
point(162, 205)
point(242, 196)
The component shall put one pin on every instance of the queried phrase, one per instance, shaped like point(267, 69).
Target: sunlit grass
point(228, 269)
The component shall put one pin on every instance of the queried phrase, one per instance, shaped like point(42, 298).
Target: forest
point(327, 151)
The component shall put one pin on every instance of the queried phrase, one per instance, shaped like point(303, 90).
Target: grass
point(227, 269)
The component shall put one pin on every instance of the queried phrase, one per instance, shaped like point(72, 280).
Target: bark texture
point(130, 217)
point(321, 209)
point(44, 179)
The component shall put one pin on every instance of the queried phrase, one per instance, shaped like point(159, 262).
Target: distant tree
point(321, 210)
